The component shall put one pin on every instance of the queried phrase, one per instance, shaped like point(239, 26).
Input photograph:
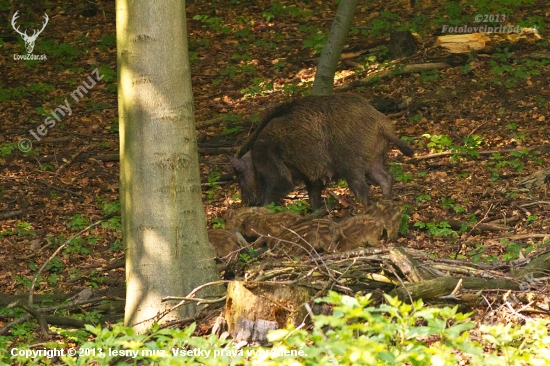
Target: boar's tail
point(402, 145)
point(388, 132)
point(272, 113)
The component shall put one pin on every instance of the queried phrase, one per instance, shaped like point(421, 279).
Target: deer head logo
point(29, 40)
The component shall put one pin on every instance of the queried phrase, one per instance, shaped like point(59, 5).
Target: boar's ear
point(243, 164)
point(238, 163)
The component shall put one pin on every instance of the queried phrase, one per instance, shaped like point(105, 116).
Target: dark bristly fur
point(315, 139)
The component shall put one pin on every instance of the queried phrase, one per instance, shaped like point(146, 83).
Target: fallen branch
point(71, 160)
point(409, 69)
point(8, 215)
point(478, 227)
point(487, 152)
point(58, 188)
point(526, 236)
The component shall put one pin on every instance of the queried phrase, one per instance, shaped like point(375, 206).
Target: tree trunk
point(328, 62)
point(163, 218)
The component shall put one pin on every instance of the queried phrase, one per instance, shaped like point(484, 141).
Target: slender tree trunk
point(328, 62)
point(163, 220)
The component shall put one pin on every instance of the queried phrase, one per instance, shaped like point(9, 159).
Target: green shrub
point(394, 333)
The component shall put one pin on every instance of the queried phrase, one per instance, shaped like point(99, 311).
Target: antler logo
point(29, 40)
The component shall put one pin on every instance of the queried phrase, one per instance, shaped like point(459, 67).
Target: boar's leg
point(314, 191)
point(378, 173)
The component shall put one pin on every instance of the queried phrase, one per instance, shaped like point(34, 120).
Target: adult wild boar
point(315, 139)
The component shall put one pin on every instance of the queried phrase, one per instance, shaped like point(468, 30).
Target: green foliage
point(429, 76)
point(513, 250)
point(315, 38)
point(499, 163)
point(258, 87)
point(510, 71)
point(447, 202)
point(116, 245)
point(232, 130)
point(450, 203)
point(405, 217)
point(113, 126)
point(276, 10)
point(46, 167)
point(10, 94)
point(536, 22)
point(393, 334)
point(65, 51)
point(114, 223)
point(213, 23)
point(397, 170)
point(291, 89)
point(441, 229)
point(218, 223)
point(299, 206)
point(279, 10)
point(24, 281)
point(106, 42)
point(248, 257)
point(316, 42)
point(470, 147)
point(55, 265)
point(357, 333)
point(532, 218)
point(109, 208)
point(213, 178)
point(423, 197)
point(438, 143)
point(479, 254)
point(417, 118)
point(23, 229)
point(383, 24)
point(76, 246)
point(6, 149)
point(24, 331)
point(108, 75)
point(78, 222)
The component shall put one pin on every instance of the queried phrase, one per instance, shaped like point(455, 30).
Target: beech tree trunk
point(328, 62)
point(163, 220)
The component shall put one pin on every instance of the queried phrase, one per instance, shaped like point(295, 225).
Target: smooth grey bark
point(328, 62)
point(163, 219)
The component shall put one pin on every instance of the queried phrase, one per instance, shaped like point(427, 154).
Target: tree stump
point(402, 44)
point(253, 309)
point(467, 42)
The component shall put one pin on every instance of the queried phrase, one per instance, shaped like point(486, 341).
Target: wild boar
point(319, 234)
point(224, 242)
point(315, 139)
point(389, 214)
point(253, 221)
point(360, 231)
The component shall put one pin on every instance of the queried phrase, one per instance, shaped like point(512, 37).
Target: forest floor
point(245, 59)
